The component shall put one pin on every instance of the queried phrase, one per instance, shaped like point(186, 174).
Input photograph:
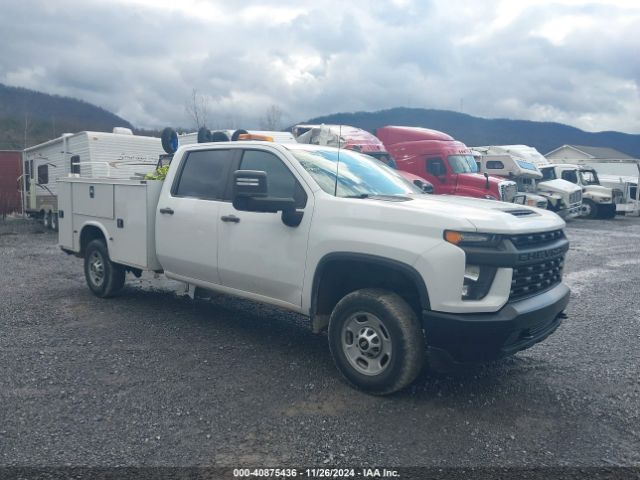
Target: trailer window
point(280, 181)
point(203, 174)
point(43, 174)
point(495, 165)
point(75, 164)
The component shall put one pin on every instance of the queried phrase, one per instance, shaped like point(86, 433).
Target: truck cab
point(358, 140)
point(445, 162)
point(597, 201)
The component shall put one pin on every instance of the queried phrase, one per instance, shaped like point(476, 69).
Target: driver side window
point(281, 183)
point(435, 167)
point(570, 176)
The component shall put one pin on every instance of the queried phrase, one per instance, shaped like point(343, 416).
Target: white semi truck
point(521, 163)
point(394, 275)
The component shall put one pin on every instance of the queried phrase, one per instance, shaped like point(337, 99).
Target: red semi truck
point(445, 162)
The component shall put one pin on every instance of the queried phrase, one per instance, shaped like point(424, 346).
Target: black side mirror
point(426, 187)
point(250, 194)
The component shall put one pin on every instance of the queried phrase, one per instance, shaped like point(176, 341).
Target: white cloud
point(557, 60)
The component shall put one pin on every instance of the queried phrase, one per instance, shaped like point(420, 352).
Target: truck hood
point(598, 190)
point(488, 215)
point(559, 186)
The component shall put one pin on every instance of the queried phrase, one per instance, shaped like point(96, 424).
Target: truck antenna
point(335, 190)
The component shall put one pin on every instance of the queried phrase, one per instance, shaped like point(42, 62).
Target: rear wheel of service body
point(376, 341)
point(103, 277)
point(589, 208)
point(54, 222)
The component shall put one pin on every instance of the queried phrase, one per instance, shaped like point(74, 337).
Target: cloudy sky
point(573, 62)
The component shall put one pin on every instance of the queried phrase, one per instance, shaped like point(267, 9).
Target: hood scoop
point(519, 212)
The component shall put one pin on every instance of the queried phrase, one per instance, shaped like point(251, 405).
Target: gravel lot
point(152, 378)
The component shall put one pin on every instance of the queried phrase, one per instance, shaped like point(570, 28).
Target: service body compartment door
point(93, 200)
point(65, 216)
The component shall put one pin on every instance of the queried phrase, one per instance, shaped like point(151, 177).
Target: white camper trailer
point(85, 154)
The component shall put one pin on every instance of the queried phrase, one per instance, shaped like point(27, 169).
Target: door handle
point(167, 210)
point(230, 218)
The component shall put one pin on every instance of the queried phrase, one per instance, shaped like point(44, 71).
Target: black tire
point(400, 328)
point(219, 137)
point(112, 274)
point(169, 139)
point(236, 134)
point(204, 135)
point(590, 208)
point(607, 211)
point(54, 222)
point(46, 220)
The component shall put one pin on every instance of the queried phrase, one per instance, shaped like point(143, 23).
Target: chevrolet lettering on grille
point(542, 254)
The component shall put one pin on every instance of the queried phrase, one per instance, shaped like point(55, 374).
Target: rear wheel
point(46, 219)
point(54, 222)
point(376, 341)
point(103, 277)
point(589, 208)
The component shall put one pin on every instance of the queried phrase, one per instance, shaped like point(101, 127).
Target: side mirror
point(426, 187)
point(250, 194)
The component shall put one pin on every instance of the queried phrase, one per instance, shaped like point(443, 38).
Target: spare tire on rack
point(236, 134)
point(169, 139)
point(204, 135)
point(219, 137)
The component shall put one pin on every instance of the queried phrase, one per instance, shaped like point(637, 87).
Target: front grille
point(617, 195)
point(536, 239)
point(508, 191)
point(575, 197)
point(531, 279)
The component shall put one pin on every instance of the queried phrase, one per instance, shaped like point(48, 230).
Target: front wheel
point(103, 277)
point(589, 208)
point(376, 341)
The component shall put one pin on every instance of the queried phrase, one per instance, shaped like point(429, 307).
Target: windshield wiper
point(361, 195)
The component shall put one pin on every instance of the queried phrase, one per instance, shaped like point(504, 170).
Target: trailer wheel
point(103, 277)
point(54, 222)
point(376, 341)
point(204, 135)
point(169, 140)
point(589, 208)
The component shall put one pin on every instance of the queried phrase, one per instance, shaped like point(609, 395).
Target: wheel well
point(340, 276)
point(89, 233)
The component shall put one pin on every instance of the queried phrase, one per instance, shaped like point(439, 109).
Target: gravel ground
point(153, 378)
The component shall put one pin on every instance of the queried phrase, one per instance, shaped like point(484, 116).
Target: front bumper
point(481, 337)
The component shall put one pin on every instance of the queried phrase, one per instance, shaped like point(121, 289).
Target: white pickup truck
point(394, 275)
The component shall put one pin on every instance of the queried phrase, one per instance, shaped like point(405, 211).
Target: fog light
point(477, 281)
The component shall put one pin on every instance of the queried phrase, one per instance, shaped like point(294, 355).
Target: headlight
point(476, 239)
point(477, 281)
point(606, 199)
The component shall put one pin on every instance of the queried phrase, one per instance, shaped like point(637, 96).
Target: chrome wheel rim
point(96, 269)
point(366, 343)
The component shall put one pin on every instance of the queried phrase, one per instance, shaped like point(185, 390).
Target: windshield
point(548, 174)
point(358, 175)
point(589, 177)
point(463, 164)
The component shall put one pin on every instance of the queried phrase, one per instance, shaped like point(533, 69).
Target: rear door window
point(204, 174)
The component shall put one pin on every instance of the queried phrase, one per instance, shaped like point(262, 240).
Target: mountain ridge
point(476, 131)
